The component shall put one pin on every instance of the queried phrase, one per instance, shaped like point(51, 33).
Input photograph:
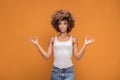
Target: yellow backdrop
point(21, 60)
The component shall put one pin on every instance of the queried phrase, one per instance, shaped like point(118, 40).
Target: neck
point(63, 34)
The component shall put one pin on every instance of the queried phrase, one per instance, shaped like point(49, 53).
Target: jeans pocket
point(54, 70)
point(71, 70)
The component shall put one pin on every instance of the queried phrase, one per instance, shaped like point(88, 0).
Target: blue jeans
point(62, 74)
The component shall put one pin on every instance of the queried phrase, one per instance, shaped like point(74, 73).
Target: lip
point(62, 29)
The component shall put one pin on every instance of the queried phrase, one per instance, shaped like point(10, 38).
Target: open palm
point(34, 40)
point(89, 40)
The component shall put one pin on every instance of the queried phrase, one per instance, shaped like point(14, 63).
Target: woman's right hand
point(34, 40)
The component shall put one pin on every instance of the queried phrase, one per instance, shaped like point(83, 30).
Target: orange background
point(21, 60)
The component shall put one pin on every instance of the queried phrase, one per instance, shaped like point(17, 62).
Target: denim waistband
point(71, 67)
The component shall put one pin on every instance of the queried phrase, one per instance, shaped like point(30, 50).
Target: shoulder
point(52, 38)
point(74, 39)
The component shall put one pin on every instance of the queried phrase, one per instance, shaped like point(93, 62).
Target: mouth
point(62, 29)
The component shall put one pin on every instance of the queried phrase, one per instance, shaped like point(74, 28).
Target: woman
point(63, 45)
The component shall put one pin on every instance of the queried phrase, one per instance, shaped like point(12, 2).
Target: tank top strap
point(71, 37)
point(55, 37)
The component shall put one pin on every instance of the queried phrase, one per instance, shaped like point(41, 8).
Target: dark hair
point(60, 15)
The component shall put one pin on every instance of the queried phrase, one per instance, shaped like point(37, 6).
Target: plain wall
point(21, 60)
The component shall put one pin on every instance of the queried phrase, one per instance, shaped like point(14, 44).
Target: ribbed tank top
point(62, 53)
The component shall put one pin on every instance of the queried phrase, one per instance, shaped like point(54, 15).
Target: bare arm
point(79, 54)
point(45, 54)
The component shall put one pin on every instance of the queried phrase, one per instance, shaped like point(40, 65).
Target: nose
point(62, 26)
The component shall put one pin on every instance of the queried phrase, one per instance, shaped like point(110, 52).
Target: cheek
point(59, 26)
point(66, 26)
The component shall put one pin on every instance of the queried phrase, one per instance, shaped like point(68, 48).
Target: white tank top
point(62, 53)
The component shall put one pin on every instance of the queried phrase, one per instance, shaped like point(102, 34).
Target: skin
point(63, 36)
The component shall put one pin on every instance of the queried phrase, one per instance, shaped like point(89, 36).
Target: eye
point(65, 23)
point(59, 23)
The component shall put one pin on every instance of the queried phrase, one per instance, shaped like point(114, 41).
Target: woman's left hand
point(89, 40)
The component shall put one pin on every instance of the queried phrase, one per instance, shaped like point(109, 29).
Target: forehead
point(63, 21)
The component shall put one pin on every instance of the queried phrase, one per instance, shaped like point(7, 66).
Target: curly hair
point(60, 15)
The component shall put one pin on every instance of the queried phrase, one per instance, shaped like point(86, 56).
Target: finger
point(87, 37)
point(93, 40)
point(35, 37)
point(29, 38)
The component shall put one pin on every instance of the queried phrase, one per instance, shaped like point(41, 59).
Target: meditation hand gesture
point(89, 40)
point(34, 40)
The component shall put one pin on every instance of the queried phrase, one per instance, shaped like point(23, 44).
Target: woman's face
point(63, 26)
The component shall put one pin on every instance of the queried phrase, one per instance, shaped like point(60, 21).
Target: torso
point(63, 52)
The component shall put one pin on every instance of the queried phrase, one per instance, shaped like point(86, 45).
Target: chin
point(63, 31)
